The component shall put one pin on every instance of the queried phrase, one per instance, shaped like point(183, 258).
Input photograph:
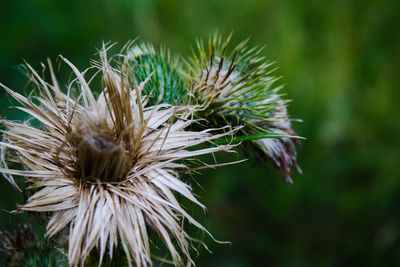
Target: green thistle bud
point(166, 83)
point(237, 88)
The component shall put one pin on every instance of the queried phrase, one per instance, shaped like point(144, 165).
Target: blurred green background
point(341, 66)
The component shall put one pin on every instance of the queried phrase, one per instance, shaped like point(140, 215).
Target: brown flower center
point(101, 159)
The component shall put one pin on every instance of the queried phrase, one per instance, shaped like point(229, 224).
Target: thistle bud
point(237, 88)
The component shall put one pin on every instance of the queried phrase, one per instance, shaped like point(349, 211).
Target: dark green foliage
point(119, 259)
point(43, 254)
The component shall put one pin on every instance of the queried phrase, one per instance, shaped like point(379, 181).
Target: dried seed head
point(107, 166)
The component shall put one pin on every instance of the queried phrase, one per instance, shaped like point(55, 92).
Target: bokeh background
point(340, 64)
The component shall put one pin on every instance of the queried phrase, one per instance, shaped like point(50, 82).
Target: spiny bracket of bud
point(167, 81)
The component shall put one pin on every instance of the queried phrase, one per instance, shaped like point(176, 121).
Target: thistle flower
point(237, 88)
point(106, 166)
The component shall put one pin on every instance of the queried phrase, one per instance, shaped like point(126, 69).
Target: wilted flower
point(14, 244)
point(238, 89)
point(106, 166)
point(24, 248)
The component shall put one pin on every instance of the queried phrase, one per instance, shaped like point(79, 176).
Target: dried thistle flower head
point(237, 88)
point(107, 166)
